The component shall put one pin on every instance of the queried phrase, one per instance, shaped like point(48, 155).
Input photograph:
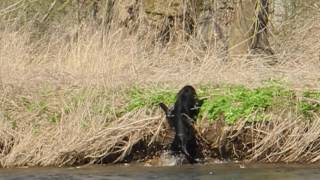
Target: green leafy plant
point(310, 103)
point(139, 98)
point(237, 102)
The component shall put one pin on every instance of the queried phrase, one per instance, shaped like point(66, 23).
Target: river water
point(185, 172)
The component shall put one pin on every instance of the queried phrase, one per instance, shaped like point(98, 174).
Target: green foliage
point(233, 103)
point(54, 117)
point(77, 100)
point(310, 103)
point(32, 105)
point(139, 97)
point(41, 108)
point(228, 103)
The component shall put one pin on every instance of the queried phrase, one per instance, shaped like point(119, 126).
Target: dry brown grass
point(69, 142)
point(286, 138)
point(281, 138)
point(121, 60)
point(28, 66)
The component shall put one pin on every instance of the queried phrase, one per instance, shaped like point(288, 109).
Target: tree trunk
point(249, 31)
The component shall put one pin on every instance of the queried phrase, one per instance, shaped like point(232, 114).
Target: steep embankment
point(72, 93)
point(56, 127)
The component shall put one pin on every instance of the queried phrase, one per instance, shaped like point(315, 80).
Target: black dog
point(181, 117)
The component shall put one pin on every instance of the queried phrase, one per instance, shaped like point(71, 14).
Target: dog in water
point(181, 117)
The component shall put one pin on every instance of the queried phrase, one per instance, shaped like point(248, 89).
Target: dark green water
point(186, 172)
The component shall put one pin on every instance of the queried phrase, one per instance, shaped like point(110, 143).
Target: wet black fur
point(181, 117)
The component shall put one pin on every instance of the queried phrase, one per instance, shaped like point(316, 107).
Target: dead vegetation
point(280, 138)
point(58, 63)
point(68, 143)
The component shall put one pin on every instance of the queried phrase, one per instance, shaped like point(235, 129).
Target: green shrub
point(310, 103)
point(139, 97)
point(237, 102)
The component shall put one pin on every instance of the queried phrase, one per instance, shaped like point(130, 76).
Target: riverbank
point(68, 127)
point(73, 92)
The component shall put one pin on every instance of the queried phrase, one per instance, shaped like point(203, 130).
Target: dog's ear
point(164, 108)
